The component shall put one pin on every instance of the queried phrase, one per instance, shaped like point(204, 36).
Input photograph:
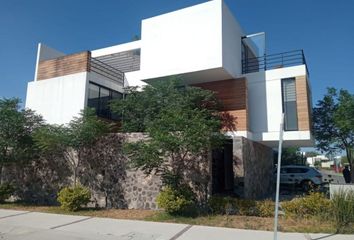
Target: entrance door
point(222, 170)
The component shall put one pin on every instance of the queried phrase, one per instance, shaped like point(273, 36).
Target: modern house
point(205, 46)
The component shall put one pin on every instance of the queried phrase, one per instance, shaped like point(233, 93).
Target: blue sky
point(324, 29)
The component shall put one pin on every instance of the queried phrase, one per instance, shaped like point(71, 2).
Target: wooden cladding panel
point(302, 101)
point(232, 94)
point(65, 65)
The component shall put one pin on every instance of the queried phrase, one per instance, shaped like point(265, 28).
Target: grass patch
point(92, 212)
point(286, 224)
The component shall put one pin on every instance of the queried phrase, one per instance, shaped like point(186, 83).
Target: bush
point(72, 198)
point(177, 202)
point(311, 205)
point(265, 208)
point(343, 208)
point(6, 190)
point(217, 204)
point(246, 207)
point(232, 206)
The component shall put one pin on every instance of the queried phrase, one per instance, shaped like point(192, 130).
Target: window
point(297, 170)
point(99, 98)
point(289, 104)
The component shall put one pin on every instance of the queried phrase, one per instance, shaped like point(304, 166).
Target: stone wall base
point(253, 166)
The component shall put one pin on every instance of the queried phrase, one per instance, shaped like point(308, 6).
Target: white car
point(306, 177)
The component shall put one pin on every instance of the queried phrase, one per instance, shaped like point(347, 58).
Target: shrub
point(343, 208)
point(177, 202)
point(72, 198)
point(265, 208)
point(313, 204)
point(246, 207)
point(229, 205)
point(221, 205)
point(6, 190)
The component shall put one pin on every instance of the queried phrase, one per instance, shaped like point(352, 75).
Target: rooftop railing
point(106, 70)
point(274, 61)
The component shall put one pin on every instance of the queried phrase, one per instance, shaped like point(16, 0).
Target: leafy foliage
point(310, 205)
point(292, 155)
point(182, 125)
point(69, 141)
point(16, 129)
point(333, 123)
point(6, 190)
point(245, 207)
point(73, 198)
point(176, 202)
point(343, 208)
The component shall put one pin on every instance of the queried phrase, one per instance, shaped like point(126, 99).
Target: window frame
point(286, 128)
point(99, 107)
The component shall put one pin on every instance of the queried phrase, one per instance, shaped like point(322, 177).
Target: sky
point(324, 29)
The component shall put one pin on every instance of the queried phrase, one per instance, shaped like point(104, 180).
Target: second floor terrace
point(76, 63)
point(273, 61)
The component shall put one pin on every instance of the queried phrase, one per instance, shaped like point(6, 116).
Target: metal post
point(278, 178)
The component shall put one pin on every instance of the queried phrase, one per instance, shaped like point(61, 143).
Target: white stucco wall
point(183, 41)
point(231, 43)
point(116, 48)
point(273, 89)
point(59, 99)
point(265, 105)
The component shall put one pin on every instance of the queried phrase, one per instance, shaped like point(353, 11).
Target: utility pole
point(281, 130)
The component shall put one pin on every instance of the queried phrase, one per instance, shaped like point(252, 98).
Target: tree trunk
point(75, 175)
point(351, 162)
point(1, 175)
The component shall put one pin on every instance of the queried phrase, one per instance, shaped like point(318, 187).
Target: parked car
point(303, 176)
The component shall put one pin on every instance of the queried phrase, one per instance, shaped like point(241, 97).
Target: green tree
point(292, 155)
point(182, 125)
point(16, 129)
point(71, 140)
point(311, 154)
point(333, 124)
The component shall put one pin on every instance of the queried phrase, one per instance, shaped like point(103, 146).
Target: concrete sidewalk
point(37, 226)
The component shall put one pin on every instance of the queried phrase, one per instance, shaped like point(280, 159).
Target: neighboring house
point(205, 46)
point(324, 162)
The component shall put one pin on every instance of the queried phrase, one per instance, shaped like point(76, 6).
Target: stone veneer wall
point(140, 190)
point(253, 165)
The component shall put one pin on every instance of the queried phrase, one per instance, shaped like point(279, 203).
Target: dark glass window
point(297, 170)
point(289, 104)
point(99, 98)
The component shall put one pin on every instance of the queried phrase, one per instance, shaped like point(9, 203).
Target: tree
point(16, 130)
point(70, 141)
point(292, 155)
point(333, 124)
point(311, 154)
point(182, 125)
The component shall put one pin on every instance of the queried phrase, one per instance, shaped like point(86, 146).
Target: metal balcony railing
point(106, 70)
point(273, 61)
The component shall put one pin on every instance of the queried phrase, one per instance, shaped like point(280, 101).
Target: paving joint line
point(180, 233)
point(66, 224)
point(14, 215)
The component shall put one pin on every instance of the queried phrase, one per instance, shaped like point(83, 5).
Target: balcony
point(106, 71)
point(274, 61)
point(77, 63)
